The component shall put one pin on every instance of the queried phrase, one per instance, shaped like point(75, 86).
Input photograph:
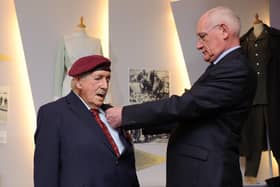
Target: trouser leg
point(252, 164)
point(256, 141)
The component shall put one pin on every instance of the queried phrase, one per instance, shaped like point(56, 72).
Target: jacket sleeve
point(46, 157)
point(222, 90)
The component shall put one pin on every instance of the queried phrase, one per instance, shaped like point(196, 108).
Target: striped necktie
point(105, 130)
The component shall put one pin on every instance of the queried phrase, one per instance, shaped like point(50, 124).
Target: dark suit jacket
point(72, 151)
point(203, 149)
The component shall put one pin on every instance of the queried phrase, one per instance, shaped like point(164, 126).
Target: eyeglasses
point(201, 36)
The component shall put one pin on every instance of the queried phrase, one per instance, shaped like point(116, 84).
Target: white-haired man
point(204, 148)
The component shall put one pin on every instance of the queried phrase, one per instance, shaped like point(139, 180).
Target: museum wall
point(274, 13)
point(143, 34)
point(17, 114)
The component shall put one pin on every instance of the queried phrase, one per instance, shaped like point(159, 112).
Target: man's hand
point(114, 116)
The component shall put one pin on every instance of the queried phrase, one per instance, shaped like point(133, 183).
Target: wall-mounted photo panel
point(148, 85)
point(4, 100)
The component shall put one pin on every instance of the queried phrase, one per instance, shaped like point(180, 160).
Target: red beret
point(89, 63)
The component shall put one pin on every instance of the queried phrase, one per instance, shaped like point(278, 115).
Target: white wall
point(143, 35)
point(274, 13)
point(16, 149)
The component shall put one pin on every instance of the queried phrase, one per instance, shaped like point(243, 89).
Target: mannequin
point(258, 26)
point(75, 45)
point(261, 131)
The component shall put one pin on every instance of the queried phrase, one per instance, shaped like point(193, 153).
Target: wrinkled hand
point(114, 116)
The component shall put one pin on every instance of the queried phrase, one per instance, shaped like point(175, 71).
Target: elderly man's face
point(93, 87)
point(209, 40)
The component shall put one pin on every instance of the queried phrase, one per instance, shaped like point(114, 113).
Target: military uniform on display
point(263, 121)
point(73, 47)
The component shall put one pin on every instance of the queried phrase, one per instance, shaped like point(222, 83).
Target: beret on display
point(89, 64)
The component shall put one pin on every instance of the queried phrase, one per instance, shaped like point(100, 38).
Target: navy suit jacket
point(72, 151)
point(203, 149)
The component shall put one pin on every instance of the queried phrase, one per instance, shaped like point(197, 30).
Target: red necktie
point(105, 131)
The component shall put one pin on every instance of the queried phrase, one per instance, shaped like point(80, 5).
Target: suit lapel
point(78, 108)
point(212, 67)
point(205, 74)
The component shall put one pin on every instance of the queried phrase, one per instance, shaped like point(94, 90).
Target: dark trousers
point(254, 139)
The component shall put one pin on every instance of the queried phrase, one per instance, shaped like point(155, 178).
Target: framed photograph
point(4, 103)
point(148, 85)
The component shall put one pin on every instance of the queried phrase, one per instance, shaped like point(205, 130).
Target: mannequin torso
point(258, 28)
point(75, 46)
point(79, 44)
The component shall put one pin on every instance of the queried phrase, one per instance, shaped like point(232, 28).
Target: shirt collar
point(225, 53)
point(86, 103)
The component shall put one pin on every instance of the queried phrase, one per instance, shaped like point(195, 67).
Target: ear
point(76, 82)
point(79, 85)
point(225, 31)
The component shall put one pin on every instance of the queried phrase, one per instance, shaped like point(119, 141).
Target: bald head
point(222, 15)
point(217, 30)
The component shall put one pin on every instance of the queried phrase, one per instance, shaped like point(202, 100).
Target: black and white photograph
point(4, 95)
point(148, 85)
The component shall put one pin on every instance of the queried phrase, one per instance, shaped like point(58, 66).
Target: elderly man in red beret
point(74, 144)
